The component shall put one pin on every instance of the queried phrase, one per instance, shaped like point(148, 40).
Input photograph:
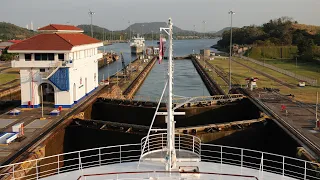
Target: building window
point(44, 57)
point(51, 57)
point(61, 57)
point(27, 57)
point(37, 57)
point(42, 70)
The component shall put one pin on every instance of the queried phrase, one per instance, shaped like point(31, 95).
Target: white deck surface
point(154, 166)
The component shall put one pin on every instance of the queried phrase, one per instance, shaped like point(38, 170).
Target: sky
point(116, 14)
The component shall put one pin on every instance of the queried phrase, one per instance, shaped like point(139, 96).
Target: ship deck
point(155, 170)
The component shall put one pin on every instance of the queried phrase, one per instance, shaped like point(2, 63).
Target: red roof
point(54, 41)
point(53, 27)
point(15, 41)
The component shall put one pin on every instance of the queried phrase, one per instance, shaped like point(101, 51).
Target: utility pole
point(317, 110)
point(142, 30)
point(152, 37)
point(204, 29)
point(91, 15)
point(230, 84)
point(129, 30)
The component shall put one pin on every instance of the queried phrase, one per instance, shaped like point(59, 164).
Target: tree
point(305, 49)
point(7, 56)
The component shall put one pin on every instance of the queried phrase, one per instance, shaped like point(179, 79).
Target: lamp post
point(142, 29)
point(194, 29)
point(204, 29)
point(129, 30)
point(230, 84)
point(152, 37)
point(317, 110)
point(91, 15)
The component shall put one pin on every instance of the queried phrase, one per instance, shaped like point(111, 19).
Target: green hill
point(97, 31)
point(87, 28)
point(10, 31)
point(219, 33)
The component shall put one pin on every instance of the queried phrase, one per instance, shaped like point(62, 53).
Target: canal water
point(181, 48)
point(187, 81)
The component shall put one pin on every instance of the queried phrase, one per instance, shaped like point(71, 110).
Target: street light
point(204, 29)
point(230, 84)
point(142, 29)
point(129, 30)
point(194, 29)
point(91, 14)
point(152, 37)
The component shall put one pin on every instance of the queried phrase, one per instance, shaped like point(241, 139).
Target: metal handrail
point(157, 142)
point(285, 166)
point(241, 157)
point(150, 174)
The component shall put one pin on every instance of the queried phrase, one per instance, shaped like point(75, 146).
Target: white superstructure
point(138, 44)
point(60, 65)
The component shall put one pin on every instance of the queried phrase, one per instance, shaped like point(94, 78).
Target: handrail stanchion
point(283, 166)
point(99, 156)
point(221, 160)
point(161, 141)
point(79, 160)
point(241, 160)
point(305, 170)
point(261, 168)
point(120, 154)
point(179, 142)
point(221, 155)
point(192, 143)
point(37, 173)
point(58, 164)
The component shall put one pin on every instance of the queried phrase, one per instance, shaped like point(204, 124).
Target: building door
point(47, 95)
point(74, 92)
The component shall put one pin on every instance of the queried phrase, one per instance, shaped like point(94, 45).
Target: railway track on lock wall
point(136, 83)
point(221, 73)
point(266, 75)
point(212, 86)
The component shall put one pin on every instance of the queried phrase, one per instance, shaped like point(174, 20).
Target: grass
point(240, 73)
point(224, 86)
point(309, 69)
point(4, 78)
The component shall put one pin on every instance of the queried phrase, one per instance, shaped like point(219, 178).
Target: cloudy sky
point(115, 14)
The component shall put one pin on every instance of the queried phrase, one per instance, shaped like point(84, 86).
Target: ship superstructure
point(138, 45)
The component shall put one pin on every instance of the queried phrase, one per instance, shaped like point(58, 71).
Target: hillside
point(311, 29)
point(10, 31)
point(147, 28)
point(219, 33)
point(97, 31)
point(87, 28)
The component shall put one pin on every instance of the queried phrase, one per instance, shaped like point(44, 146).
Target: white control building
point(60, 64)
